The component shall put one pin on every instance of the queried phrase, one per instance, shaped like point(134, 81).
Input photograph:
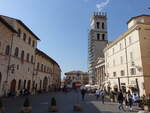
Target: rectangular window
point(133, 71)
point(131, 56)
point(24, 36)
point(33, 43)
point(113, 62)
point(113, 50)
point(130, 41)
point(122, 73)
point(120, 46)
point(121, 60)
point(114, 74)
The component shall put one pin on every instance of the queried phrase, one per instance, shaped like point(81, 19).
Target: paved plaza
point(65, 102)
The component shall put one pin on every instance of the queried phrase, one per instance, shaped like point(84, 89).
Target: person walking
point(103, 96)
point(120, 101)
point(126, 100)
point(130, 101)
point(97, 94)
point(83, 91)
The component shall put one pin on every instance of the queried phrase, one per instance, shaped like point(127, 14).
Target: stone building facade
point(17, 56)
point(76, 76)
point(127, 58)
point(47, 72)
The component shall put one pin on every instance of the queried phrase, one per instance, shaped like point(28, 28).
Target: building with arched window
point(127, 58)
point(49, 73)
point(18, 60)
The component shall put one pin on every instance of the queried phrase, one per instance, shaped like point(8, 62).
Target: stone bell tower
point(97, 40)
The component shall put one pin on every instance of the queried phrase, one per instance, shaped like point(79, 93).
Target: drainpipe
point(126, 60)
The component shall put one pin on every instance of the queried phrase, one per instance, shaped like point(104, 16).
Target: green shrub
point(145, 102)
point(26, 103)
point(53, 101)
point(1, 103)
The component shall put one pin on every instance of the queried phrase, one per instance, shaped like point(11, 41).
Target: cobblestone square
point(65, 102)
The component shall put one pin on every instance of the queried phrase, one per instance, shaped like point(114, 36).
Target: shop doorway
point(45, 83)
point(13, 86)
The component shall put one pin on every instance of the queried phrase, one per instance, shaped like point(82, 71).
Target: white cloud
point(101, 5)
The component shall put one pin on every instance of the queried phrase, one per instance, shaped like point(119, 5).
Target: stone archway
point(29, 84)
point(24, 84)
point(45, 83)
point(19, 85)
point(13, 86)
point(0, 79)
point(40, 84)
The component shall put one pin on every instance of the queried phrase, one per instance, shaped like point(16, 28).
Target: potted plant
point(53, 107)
point(1, 107)
point(27, 108)
point(77, 107)
point(146, 105)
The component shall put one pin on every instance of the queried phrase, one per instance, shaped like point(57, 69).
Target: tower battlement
point(100, 14)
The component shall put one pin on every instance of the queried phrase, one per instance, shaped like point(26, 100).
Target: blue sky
point(62, 25)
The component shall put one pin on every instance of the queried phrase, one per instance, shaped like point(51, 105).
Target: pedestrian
point(103, 96)
point(126, 100)
point(83, 91)
point(97, 94)
point(120, 101)
point(130, 101)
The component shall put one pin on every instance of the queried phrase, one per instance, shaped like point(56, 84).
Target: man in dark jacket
point(83, 91)
point(120, 100)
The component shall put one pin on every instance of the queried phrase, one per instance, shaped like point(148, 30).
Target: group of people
point(100, 93)
point(128, 98)
point(24, 92)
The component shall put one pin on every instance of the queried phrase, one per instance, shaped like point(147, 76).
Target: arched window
point(19, 84)
point(32, 59)
point(97, 25)
point(19, 33)
point(24, 36)
point(98, 36)
point(7, 50)
point(41, 67)
point(103, 25)
point(33, 43)
point(38, 65)
point(44, 68)
point(22, 55)
point(29, 41)
point(28, 57)
point(103, 36)
point(24, 85)
point(16, 52)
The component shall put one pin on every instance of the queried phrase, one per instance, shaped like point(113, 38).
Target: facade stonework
point(76, 76)
point(97, 41)
point(127, 58)
point(17, 55)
